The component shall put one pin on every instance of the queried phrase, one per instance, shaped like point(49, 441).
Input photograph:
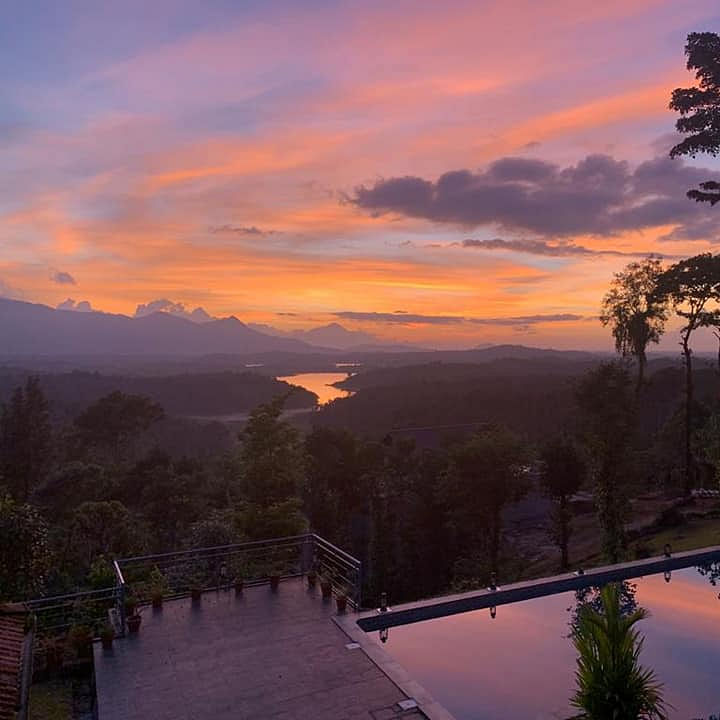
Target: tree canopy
point(634, 310)
point(699, 107)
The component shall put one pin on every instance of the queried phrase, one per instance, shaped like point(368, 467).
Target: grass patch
point(51, 700)
point(691, 535)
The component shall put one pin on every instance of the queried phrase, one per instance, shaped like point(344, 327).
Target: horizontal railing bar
point(328, 545)
point(83, 595)
point(291, 539)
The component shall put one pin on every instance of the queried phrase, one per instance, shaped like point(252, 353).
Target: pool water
point(521, 664)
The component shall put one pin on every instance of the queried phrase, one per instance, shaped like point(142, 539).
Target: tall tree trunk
point(687, 469)
point(641, 361)
point(564, 533)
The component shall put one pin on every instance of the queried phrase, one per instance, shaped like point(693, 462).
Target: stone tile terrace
point(261, 654)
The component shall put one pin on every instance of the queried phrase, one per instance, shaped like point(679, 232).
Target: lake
point(320, 383)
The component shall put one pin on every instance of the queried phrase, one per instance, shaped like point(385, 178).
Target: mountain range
point(34, 329)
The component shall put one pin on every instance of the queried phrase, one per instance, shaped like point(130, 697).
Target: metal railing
point(55, 615)
point(176, 574)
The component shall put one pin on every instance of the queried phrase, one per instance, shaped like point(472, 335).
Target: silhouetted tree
point(100, 528)
point(25, 440)
point(562, 474)
point(635, 312)
point(605, 399)
point(24, 550)
point(272, 457)
point(699, 108)
point(693, 287)
point(484, 474)
point(114, 422)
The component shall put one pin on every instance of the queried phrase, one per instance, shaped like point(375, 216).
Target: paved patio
point(262, 654)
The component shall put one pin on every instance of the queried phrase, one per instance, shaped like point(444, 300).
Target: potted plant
point(274, 580)
point(326, 587)
point(312, 578)
point(158, 588)
point(133, 621)
point(239, 584)
point(80, 637)
point(132, 616)
point(341, 599)
point(107, 635)
point(130, 606)
point(54, 654)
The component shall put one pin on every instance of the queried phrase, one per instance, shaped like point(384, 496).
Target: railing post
point(358, 590)
point(307, 551)
point(121, 609)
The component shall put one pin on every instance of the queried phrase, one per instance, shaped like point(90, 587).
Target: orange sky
point(211, 156)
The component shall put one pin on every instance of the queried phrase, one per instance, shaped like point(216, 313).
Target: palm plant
point(611, 683)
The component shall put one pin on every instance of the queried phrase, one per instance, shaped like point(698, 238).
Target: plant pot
point(133, 623)
point(130, 607)
point(107, 640)
point(239, 584)
point(274, 582)
point(157, 602)
point(326, 587)
point(54, 656)
point(196, 594)
point(341, 601)
point(312, 579)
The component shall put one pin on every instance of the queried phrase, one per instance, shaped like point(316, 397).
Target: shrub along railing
point(175, 574)
point(56, 614)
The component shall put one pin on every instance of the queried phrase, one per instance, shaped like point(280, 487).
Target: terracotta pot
point(326, 587)
point(133, 623)
point(274, 582)
point(312, 579)
point(341, 601)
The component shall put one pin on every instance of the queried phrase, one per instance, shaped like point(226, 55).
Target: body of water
point(520, 664)
point(320, 383)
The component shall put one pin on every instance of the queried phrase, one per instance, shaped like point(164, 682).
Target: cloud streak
point(403, 318)
point(542, 247)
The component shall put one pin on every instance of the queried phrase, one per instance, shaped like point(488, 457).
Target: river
point(320, 383)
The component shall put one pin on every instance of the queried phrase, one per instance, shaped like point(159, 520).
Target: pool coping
point(357, 626)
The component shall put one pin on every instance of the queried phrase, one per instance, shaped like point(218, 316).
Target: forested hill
point(202, 394)
point(531, 398)
point(443, 371)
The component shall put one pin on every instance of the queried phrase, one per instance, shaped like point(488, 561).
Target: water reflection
point(321, 383)
point(520, 664)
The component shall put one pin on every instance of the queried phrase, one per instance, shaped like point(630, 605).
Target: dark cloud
point(62, 278)
point(542, 247)
point(402, 317)
point(597, 196)
point(198, 315)
point(70, 304)
point(246, 230)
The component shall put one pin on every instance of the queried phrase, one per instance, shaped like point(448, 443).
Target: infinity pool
point(520, 664)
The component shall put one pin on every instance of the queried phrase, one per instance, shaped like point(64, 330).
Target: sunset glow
point(249, 158)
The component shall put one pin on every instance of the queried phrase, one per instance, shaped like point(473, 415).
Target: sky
point(448, 174)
